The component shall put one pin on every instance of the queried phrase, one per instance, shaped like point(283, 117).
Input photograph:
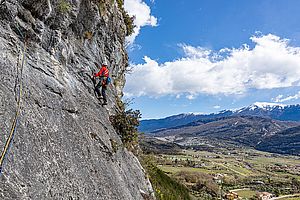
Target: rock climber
point(103, 75)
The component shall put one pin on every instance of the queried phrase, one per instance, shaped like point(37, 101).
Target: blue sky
point(209, 55)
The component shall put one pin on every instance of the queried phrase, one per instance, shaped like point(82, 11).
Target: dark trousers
point(103, 90)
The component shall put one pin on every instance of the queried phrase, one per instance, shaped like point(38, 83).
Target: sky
point(204, 56)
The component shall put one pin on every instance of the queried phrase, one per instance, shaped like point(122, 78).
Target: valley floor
point(211, 174)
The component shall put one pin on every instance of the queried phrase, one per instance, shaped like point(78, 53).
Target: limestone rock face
point(64, 146)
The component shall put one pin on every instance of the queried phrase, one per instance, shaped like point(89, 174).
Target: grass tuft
point(64, 6)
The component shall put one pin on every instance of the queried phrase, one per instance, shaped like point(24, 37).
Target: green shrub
point(165, 187)
point(128, 20)
point(120, 3)
point(64, 6)
point(125, 123)
point(114, 145)
point(200, 183)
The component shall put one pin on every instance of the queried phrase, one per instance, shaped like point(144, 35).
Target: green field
point(172, 169)
point(239, 168)
point(253, 163)
point(247, 193)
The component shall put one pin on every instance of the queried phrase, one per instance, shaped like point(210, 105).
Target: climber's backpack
point(108, 80)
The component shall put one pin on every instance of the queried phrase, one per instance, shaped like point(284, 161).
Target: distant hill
point(260, 109)
point(242, 130)
point(176, 120)
point(153, 145)
point(286, 142)
point(261, 133)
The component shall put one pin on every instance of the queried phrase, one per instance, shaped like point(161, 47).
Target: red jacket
point(103, 72)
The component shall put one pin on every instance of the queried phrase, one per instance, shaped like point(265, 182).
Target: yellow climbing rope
point(13, 127)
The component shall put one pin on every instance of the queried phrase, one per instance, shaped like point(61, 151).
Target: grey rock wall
point(63, 144)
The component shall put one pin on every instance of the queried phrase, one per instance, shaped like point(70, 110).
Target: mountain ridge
point(263, 109)
point(249, 131)
point(264, 126)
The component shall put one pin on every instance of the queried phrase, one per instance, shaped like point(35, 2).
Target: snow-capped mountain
point(271, 110)
point(266, 126)
point(262, 109)
point(263, 106)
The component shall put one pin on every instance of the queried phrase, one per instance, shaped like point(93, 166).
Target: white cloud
point(195, 52)
point(142, 14)
point(217, 107)
point(278, 98)
point(271, 63)
point(190, 97)
point(281, 98)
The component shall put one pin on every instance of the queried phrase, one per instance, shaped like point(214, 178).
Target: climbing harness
point(15, 121)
